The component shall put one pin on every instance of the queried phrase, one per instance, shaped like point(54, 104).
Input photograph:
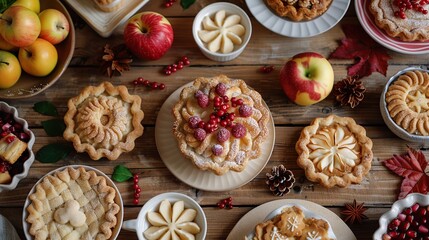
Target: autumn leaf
point(411, 166)
point(368, 54)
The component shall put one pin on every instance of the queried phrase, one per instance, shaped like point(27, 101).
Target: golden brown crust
point(407, 101)
point(237, 152)
point(96, 200)
point(104, 121)
point(414, 28)
point(348, 164)
point(109, 5)
point(298, 10)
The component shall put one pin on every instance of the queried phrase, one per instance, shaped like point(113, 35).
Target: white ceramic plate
point(257, 215)
point(184, 169)
point(104, 23)
point(118, 200)
point(303, 29)
point(366, 19)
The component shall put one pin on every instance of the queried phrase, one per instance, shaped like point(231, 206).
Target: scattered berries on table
point(136, 188)
point(180, 64)
point(225, 203)
point(144, 82)
point(266, 69)
point(169, 3)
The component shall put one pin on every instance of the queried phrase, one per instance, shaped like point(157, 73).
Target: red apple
point(19, 26)
point(307, 78)
point(55, 26)
point(38, 59)
point(148, 35)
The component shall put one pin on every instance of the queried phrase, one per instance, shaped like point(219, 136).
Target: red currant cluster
point(137, 189)
point(169, 3)
point(266, 69)
point(183, 61)
point(147, 83)
point(417, 5)
point(225, 203)
point(4, 166)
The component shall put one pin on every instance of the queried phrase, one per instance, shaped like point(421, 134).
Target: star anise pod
point(115, 59)
point(354, 212)
point(349, 91)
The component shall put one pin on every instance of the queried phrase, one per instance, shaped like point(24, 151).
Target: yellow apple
point(19, 26)
point(33, 5)
point(10, 70)
point(38, 59)
point(55, 26)
point(7, 46)
point(307, 78)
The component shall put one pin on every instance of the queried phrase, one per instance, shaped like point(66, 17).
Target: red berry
point(174, 70)
point(223, 134)
point(136, 186)
point(136, 180)
point(136, 195)
point(203, 101)
point(136, 201)
point(154, 85)
point(193, 121)
point(231, 116)
point(217, 149)
point(201, 124)
point(238, 130)
point(161, 86)
point(221, 205)
point(138, 190)
point(179, 66)
point(245, 110)
point(221, 89)
point(200, 134)
point(135, 82)
point(168, 72)
point(233, 99)
point(220, 113)
point(2, 169)
point(184, 58)
point(239, 101)
point(187, 62)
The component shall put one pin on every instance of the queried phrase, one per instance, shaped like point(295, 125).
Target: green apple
point(55, 26)
point(10, 70)
point(33, 5)
point(38, 59)
point(19, 26)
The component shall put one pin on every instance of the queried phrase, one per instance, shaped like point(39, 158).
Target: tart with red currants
point(220, 124)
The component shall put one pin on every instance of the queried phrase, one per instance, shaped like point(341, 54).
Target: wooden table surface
point(378, 190)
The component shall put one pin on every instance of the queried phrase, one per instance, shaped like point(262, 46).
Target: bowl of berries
point(16, 143)
point(408, 218)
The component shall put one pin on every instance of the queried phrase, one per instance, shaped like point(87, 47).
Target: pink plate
point(367, 21)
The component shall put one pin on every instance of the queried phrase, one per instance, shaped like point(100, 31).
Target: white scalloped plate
point(302, 29)
point(184, 169)
point(104, 23)
point(257, 215)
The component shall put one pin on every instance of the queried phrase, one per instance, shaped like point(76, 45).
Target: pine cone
point(280, 180)
point(349, 91)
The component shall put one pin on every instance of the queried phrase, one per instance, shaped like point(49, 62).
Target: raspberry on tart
point(212, 131)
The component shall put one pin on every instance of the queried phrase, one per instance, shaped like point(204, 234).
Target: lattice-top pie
point(412, 26)
point(220, 123)
point(407, 100)
point(291, 223)
point(104, 121)
point(298, 10)
point(334, 151)
point(72, 204)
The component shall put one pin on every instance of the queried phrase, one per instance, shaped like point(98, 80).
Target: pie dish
point(220, 124)
point(407, 100)
point(334, 151)
point(299, 10)
point(414, 26)
point(104, 121)
point(73, 202)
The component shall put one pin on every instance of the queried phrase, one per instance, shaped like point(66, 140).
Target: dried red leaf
point(411, 166)
point(368, 54)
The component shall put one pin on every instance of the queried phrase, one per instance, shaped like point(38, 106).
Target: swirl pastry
point(334, 151)
point(299, 10)
point(407, 100)
point(220, 124)
point(104, 121)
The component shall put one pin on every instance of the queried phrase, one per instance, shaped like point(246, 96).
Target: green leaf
point(54, 127)
point(186, 3)
point(45, 108)
point(121, 173)
point(53, 152)
point(4, 4)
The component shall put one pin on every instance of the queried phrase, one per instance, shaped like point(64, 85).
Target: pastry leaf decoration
point(53, 152)
point(186, 3)
point(54, 127)
point(411, 166)
point(45, 108)
point(121, 173)
point(368, 55)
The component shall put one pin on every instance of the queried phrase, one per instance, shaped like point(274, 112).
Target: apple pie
point(299, 10)
point(109, 5)
point(413, 25)
point(72, 204)
point(220, 123)
point(334, 151)
point(407, 100)
point(104, 121)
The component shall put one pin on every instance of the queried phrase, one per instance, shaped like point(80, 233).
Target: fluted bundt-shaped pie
point(334, 151)
point(407, 101)
point(299, 10)
point(220, 123)
point(104, 121)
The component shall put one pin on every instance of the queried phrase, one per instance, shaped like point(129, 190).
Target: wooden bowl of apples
point(32, 60)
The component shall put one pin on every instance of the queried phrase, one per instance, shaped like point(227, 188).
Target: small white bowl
point(397, 208)
point(395, 128)
point(140, 224)
point(4, 107)
point(229, 8)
